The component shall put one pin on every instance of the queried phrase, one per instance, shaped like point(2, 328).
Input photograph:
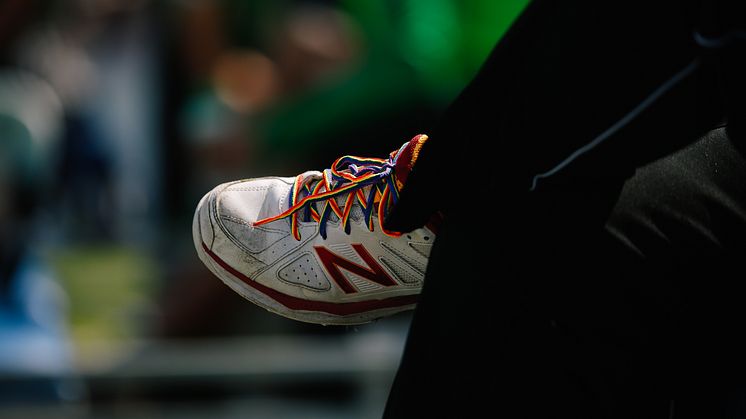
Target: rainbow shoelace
point(350, 176)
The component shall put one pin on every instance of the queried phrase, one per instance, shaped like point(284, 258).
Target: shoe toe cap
point(238, 205)
point(251, 200)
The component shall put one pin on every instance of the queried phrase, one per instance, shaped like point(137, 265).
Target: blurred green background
point(117, 115)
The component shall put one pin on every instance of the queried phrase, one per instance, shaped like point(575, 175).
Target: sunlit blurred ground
point(119, 373)
point(111, 291)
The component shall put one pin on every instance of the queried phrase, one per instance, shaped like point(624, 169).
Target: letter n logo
point(333, 263)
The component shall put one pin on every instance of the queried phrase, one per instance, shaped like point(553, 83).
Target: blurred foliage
point(419, 55)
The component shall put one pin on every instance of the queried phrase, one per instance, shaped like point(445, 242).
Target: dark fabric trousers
point(591, 262)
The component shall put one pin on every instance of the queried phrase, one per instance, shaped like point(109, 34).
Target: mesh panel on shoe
point(306, 272)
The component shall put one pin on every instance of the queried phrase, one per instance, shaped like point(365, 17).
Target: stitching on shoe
point(246, 189)
point(240, 221)
point(243, 247)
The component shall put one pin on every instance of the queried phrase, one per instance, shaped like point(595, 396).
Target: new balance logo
point(333, 263)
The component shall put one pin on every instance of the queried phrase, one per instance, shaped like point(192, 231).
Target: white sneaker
point(313, 248)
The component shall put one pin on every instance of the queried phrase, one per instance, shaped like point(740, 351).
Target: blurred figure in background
point(35, 349)
point(77, 166)
point(98, 58)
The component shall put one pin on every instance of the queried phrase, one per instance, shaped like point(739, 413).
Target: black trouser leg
point(503, 322)
point(640, 318)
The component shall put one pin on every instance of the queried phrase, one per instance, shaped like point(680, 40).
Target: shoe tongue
point(404, 160)
point(406, 157)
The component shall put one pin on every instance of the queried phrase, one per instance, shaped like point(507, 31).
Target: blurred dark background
point(117, 115)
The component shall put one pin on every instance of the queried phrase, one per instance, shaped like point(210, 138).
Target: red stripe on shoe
point(295, 303)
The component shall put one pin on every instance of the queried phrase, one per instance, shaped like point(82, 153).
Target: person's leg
point(628, 79)
point(638, 319)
